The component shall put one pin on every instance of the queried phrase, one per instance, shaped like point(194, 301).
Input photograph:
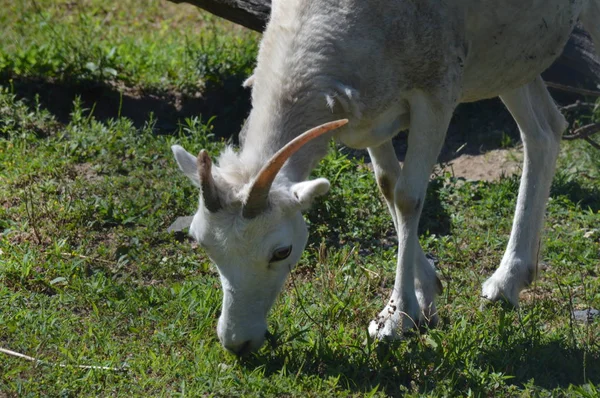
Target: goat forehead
point(227, 230)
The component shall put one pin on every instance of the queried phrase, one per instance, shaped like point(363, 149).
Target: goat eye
point(281, 254)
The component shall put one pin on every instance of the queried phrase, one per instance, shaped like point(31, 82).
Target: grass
point(89, 275)
point(156, 44)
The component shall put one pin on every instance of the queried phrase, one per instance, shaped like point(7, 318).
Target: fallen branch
point(574, 90)
point(41, 362)
point(584, 133)
point(579, 105)
point(252, 14)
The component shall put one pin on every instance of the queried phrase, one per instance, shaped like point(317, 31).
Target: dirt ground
point(488, 166)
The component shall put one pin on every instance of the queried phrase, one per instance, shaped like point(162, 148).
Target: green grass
point(89, 275)
point(155, 44)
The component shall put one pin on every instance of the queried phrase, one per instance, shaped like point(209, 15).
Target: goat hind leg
point(541, 125)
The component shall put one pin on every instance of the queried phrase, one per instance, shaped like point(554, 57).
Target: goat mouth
point(245, 349)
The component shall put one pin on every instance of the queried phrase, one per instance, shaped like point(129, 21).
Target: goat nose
point(239, 349)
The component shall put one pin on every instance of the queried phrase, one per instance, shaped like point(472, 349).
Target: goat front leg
point(411, 302)
point(427, 285)
point(541, 126)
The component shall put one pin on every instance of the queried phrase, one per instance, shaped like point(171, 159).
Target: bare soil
point(488, 166)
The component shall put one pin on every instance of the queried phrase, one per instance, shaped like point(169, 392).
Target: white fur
point(385, 65)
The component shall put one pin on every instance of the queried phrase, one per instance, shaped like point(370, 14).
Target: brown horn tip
point(259, 192)
point(207, 183)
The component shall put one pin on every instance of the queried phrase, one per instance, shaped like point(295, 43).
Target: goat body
point(384, 66)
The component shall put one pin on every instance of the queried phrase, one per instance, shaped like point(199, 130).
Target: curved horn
point(259, 193)
point(207, 183)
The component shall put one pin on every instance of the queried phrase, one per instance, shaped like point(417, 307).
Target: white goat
point(384, 65)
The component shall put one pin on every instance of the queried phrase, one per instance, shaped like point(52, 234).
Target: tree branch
point(575, 90)
point(252, 14)
point(578, 105)
point(583, 132)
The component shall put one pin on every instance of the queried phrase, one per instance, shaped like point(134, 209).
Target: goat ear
point(187, 164)
point(307, 191)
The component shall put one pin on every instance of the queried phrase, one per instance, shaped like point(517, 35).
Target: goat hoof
point(393, 322)
point(500, 290)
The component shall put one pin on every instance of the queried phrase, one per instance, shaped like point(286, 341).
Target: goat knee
point(406, 202)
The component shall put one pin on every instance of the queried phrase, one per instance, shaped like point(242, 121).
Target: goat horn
point(259, 192)
point(207, 183)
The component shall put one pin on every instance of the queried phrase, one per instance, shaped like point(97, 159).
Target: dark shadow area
point(586, 197)
point(475, 128)
point(547, 365)
point(227, 101)
point(357, 371)
point(435, 219)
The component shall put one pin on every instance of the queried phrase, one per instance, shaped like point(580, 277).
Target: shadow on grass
point(420, 368)
point(228, 101)
point(548, 365)
point(355, 369)
point(435, 218)
point(586, 196)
